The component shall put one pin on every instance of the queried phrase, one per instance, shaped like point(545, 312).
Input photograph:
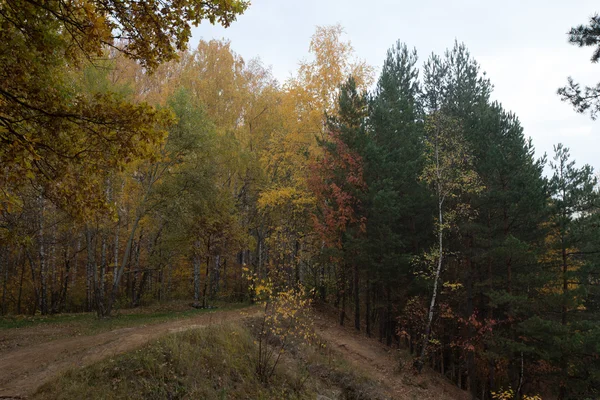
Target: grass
point(210, 363)
point(22, 321)
point(89, 323)
point(216, 362)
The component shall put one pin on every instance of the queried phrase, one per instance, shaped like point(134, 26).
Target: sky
point(520, 44)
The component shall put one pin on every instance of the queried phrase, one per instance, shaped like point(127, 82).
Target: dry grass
point(217, 362)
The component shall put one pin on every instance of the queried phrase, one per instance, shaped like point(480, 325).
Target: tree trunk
point(99, 288)
point(296, 262)
point(142, 286)
point(225, 275)
point(65, 282)
point(197, 261)
point(115, 287)
point(435, 288)
point(42, 260)
point(75, 263)
point(368, 309)
point(565, 284)
point(116, 255)
point(139, 214)
point(160, 284)
point(90, 268)
point(136, 272)
point(36, 290)
point(382, 323)
point(389, 326)
point(54, 274)
point(21, 280)
point(207, 276)
point(565, 289)
point(259, 256)
point(214, 287)
point(471, 383)
point(4, 269)
point(342, 293)
point(356, 299)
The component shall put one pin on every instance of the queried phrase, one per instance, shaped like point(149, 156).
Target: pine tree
point(496, 250)
point(398, 204)
point(340, 189)
point(574, 201)
point(586, 99)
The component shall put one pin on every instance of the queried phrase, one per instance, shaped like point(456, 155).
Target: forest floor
point(39, 353)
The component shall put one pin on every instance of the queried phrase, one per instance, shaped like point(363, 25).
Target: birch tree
point(449, 172)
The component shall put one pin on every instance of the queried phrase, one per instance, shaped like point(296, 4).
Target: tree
point(318, 83)
point(449, 171)
point(574, 201)
point(586, 99)
point(398, 203)
point(495, 250)
point(50, 130)
point(188, 193)
point(186, 142)
point(299, 120)
point(339, 187)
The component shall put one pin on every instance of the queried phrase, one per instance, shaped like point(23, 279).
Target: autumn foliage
point(135, 170)
point(337, 179)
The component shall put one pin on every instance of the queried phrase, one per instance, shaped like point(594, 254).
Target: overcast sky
point(522, 45)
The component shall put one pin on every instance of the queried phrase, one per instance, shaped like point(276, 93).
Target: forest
point(134, 170)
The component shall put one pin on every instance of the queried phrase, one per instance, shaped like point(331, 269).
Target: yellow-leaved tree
point(286, 202)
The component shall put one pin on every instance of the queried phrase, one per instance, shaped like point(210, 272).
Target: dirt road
point(24, 370)
point(26, 366)
point(381, 363)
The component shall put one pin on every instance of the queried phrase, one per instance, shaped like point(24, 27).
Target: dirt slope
point(381, 363)
point(23, 370)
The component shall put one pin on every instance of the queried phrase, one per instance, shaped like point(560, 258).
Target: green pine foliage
point(517, 292)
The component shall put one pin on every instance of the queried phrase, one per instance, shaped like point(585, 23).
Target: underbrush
point(218, 362)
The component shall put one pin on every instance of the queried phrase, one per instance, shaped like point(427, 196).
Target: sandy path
point(24, 370)
point(379, 361)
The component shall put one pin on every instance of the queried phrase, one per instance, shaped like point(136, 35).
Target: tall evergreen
point(340, 188)
point(565, 333)
point(495, 249)
point(397, 200)
point(508, 237)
